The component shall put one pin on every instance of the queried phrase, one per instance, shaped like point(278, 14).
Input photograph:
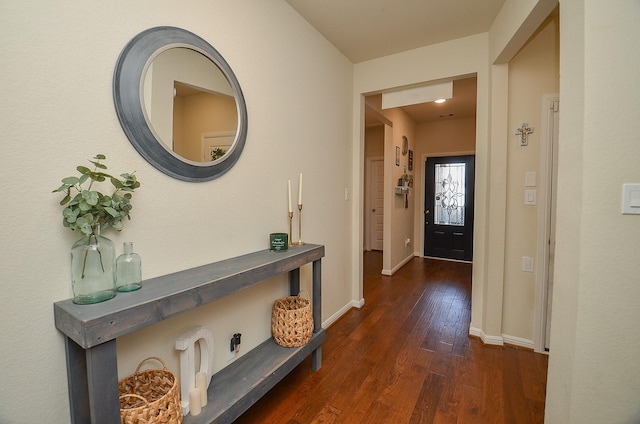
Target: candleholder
point(291, 243)
point(300, 242)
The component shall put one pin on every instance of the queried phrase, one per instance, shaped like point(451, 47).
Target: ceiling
point(369, 29)
point(462, 105)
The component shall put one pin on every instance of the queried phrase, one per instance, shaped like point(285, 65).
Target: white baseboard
point(501, 340)
point(397, 267)
point(333, 318)
point(489, 340)
point(518, 341)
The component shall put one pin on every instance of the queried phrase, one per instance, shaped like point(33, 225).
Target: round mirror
point(180, 104)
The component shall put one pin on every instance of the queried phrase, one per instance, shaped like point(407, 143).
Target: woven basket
point(292, 321)
point(150, 396)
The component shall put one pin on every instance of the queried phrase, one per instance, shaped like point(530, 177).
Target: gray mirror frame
point(127, 78)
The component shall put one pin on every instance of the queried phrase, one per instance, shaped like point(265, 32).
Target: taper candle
point(201, 384)
point(289, 184)
point(300, 191)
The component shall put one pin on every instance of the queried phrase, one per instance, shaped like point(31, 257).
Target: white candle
point(201, 384)
point(194, 402)
point(300, 191)
point(289, 183)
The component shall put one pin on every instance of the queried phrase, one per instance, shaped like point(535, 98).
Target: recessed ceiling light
point(440, 100)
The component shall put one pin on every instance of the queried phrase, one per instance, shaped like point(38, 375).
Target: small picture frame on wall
point(410, 160)
point(397, 155)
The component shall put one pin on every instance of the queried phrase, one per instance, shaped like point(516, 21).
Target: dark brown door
point(448, 211)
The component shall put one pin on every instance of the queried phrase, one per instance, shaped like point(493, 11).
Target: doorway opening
point(396, 142)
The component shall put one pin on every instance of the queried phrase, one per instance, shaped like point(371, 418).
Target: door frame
point(545, 172)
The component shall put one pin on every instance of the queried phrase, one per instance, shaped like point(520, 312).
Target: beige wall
point(594, 372)
point(533, 72)
point(398, 218)
point(57, 111)
point(448, 136)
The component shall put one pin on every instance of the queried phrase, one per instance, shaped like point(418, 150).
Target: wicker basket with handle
point(150, 396)
point(292, 321)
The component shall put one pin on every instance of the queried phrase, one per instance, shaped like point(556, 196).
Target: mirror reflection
point(189, 105)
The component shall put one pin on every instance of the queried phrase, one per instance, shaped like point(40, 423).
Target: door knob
point(426, 212)
point(373, 210)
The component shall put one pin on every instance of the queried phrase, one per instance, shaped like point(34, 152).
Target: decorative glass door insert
point(449, 200)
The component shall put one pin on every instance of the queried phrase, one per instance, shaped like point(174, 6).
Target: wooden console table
point(91, 332)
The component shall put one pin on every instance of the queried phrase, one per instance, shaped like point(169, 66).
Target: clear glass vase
point(128, 270)
point(92, 269)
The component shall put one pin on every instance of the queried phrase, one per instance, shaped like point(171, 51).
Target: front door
point(448, 211)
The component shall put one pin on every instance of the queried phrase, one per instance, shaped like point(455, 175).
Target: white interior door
point(376, 212)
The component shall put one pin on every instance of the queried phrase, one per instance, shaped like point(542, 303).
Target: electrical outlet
point(233, 348)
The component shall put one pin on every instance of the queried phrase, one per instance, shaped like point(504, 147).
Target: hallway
point(406, 357)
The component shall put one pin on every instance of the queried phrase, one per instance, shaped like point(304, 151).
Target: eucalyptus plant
point(86, 209)
point(217, 153)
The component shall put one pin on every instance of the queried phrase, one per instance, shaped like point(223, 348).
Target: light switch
point(530, 197)
point(527, 264)
point(631, 199)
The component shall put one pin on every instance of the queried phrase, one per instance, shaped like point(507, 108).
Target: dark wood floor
point(406, 357)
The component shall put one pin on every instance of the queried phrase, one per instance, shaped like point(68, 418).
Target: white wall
point(594, 372)
point(57, 111)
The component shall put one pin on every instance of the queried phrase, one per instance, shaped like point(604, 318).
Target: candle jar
point(128, 270)
point(279, 241)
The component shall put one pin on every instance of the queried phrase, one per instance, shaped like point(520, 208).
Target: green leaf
point(70, 180)
point(84, 206)
point(89, 206)
point(91, 197)
point(98, 165)
point(76, 199)
point(114, 213)
point(116, 182)
point(71, 215)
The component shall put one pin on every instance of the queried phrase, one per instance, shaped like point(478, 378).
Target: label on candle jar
point(279, 241)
